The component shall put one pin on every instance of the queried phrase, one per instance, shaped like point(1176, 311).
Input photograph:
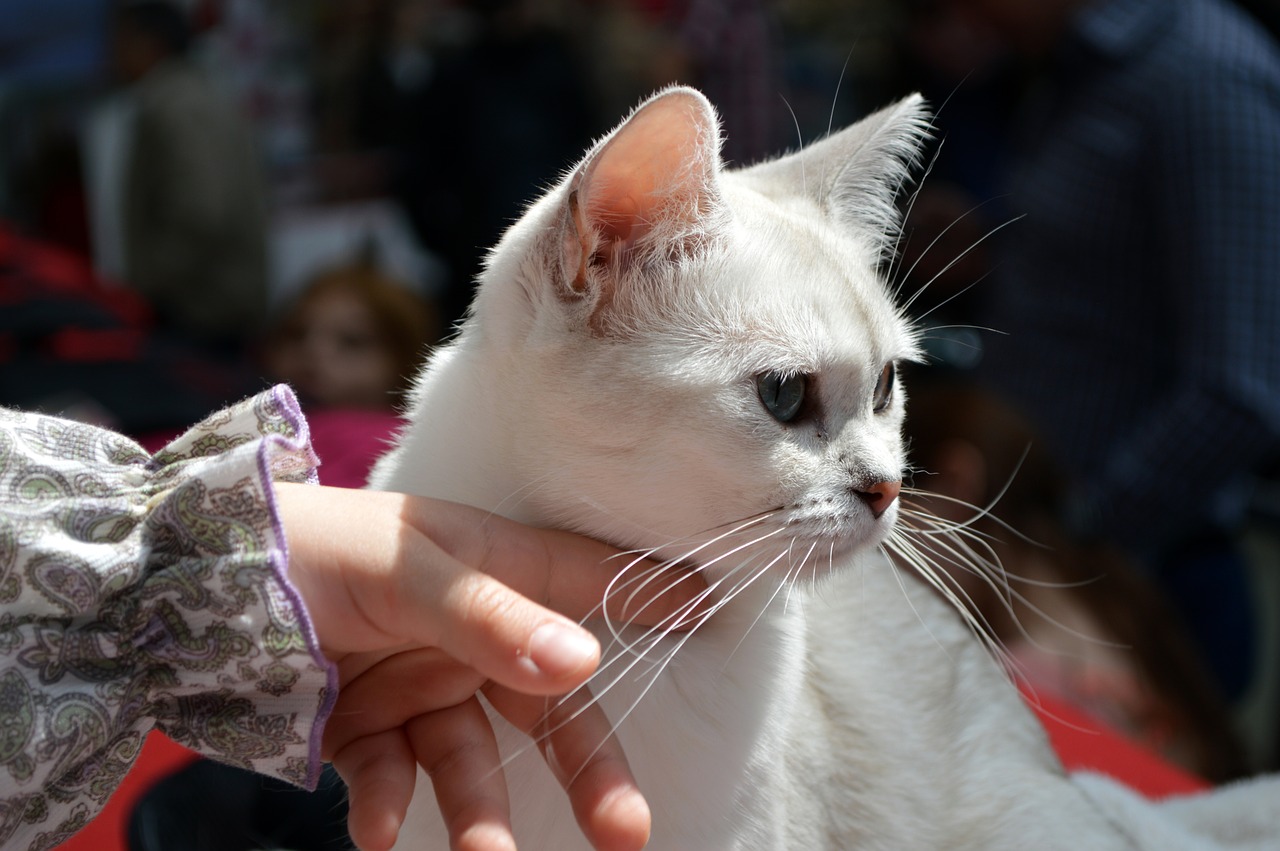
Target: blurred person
point(354, 338)
point(1137, 298)
point(194, 220)
point(1063, 609)
point(472, 122)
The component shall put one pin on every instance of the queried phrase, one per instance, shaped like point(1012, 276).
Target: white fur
point(605, 383)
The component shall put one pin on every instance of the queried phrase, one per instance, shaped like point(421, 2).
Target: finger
point(386, 695)
point(394, 583)
point(578, 744)
point(626, 587)
point(482, 622)
point(380, 772)
point(563, 571)
point(457, 748)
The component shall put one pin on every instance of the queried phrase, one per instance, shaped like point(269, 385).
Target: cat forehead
point(803, 292)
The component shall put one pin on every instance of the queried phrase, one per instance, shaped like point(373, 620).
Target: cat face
point(704, 361)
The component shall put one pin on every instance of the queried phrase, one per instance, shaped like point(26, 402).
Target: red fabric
point(29, 267)
point(1084, 744)
point(161, 757)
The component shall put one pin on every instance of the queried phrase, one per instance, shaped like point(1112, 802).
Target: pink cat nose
point(879, 495)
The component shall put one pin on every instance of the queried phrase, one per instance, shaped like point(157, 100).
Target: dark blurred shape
point(732, 51)
point(209, 806)
point(71, 345)
point(1267, 13)
point(1136, 297)
point(52, 41)
point(194, 193)
point(477, 108)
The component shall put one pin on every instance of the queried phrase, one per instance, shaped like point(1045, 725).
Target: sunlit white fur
point(831, 700)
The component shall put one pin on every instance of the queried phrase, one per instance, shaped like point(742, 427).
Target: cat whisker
point(686, 558)
point(985, 511)
point(954, 543)
point(925, 546)
point(937, 153)
point(764, 608)
point(804, 179)
point(960, 600)
point(961, 327)
point(791, 585)
point(520, 494)
point(656, 667)
point(710, 590)
point(928, 576)
point(835, 98)
point(692, 614)
point(925, 560)
point(895, 265)
point(718, 536)
point(924, 287)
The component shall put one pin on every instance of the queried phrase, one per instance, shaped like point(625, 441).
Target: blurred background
point(203, 161)
point(199, 198)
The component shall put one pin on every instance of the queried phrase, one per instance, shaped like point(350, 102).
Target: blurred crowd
point(207, 161)
point(198, 197)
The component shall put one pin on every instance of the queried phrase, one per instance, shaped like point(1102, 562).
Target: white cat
point(700, 363)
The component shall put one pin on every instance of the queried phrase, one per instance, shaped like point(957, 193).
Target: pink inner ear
point(660, 160)
point(617, 220)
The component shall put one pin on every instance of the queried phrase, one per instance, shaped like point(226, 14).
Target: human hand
point(421, 604)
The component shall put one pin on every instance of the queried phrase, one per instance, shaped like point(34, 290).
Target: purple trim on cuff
point(279, 563)
point(283, 395)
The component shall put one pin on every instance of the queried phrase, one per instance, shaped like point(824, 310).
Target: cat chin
point(842, 533)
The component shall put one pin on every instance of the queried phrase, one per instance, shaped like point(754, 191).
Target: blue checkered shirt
point(1141, 293)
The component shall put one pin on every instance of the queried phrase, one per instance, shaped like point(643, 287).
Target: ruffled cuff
point(145, 592)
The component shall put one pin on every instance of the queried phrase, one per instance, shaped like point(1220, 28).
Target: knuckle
point(487, 604)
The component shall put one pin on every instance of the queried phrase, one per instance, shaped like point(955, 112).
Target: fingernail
point(559, 650)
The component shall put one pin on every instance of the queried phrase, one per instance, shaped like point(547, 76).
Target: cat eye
point(884, 388)
point(781, 394)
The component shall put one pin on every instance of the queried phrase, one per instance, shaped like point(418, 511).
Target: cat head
point(688, 352)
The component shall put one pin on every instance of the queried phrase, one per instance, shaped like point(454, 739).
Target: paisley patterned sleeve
point(141, 592)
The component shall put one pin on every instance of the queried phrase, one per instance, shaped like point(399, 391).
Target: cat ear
point(855, 173)
point(648, 191)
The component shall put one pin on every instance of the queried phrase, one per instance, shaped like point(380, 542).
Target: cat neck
point(454, 445)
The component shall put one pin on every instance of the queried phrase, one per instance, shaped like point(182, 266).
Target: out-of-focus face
point(333, 354)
